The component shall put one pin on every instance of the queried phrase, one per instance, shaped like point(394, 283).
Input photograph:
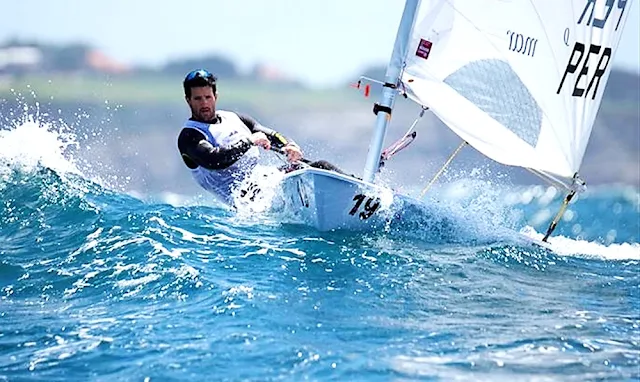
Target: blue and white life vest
point(227, 131)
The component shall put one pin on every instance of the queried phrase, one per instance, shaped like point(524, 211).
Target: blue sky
point(321, 42)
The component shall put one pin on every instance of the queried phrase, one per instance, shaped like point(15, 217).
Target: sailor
point(221, 147)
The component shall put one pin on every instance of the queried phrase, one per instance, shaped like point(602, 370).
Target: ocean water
point(101, 284)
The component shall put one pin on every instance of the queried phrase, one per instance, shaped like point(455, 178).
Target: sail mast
point(390, 88)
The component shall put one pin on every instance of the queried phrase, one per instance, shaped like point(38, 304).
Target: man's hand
point(293, 153)
point(260, 139)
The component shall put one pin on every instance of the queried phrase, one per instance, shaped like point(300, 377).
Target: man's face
point(202, 103)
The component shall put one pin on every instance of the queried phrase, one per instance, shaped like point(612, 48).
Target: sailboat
point(519, 81)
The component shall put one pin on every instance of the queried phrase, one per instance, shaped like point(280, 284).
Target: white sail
point(519, 80)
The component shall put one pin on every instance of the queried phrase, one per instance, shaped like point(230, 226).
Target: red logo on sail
point(424, 48)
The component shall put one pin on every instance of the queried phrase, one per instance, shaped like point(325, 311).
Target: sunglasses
point(199, 73)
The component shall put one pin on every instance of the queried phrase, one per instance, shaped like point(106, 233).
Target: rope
point(443, 167)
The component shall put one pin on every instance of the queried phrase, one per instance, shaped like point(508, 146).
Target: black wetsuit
point(197, 151)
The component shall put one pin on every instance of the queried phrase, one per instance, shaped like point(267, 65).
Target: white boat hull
point(328, 201)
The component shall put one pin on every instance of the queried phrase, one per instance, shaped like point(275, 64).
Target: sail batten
point(520, 81)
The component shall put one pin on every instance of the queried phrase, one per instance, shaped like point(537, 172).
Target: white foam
point(565, 246)
point(31, 144)
point(266, 180)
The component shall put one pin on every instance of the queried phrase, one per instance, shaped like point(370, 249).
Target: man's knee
point(323, 164)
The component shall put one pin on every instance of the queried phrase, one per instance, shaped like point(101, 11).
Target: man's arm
point(197, 151)
point(277, 140)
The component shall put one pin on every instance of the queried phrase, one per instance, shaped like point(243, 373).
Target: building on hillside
point(101, 63)
point(20, 59)
point(272, 74)
point(17, 59)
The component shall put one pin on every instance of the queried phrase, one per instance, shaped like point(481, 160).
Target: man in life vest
point(221, 147)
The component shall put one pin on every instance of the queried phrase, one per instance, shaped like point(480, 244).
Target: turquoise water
point(98, 284)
